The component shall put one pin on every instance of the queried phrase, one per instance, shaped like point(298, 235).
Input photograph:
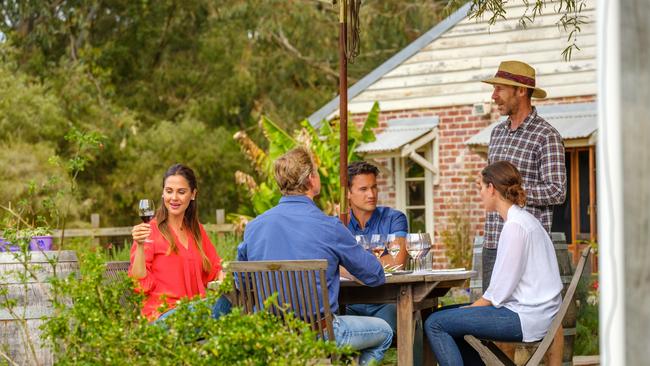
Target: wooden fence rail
point(95, 231)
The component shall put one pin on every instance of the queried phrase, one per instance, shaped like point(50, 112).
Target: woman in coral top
point(172, 256)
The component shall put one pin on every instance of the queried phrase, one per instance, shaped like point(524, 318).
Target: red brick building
point(436, 117)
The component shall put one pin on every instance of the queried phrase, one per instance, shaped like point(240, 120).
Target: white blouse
point(526, 277)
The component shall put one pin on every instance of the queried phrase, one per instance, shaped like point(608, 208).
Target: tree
point(171, 81)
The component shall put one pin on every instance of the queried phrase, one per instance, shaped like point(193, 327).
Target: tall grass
point(226, 245)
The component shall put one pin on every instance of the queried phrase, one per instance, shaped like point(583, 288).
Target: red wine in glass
point(146, 210)
point(146, 218)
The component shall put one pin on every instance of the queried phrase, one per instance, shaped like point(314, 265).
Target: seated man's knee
point(221, 307)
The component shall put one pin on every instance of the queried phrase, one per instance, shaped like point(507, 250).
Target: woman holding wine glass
point(172, 256)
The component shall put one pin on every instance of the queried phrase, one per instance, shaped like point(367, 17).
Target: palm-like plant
point(324, 144)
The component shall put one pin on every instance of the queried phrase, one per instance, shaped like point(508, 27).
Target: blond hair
point(292, 171)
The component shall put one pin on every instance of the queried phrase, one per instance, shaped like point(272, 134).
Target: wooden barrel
point(34, 303)
point(476, 283)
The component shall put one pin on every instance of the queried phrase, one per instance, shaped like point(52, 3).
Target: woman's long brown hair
point(190, 218)
point(506, 179)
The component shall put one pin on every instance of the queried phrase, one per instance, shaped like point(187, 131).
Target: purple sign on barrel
point(41, 243)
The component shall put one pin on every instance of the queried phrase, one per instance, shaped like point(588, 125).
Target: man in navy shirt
point(297, 229)
point(366, 218)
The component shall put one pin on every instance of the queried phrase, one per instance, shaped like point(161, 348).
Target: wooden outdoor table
point(412, 293)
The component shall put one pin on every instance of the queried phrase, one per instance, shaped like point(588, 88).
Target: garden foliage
point(100, 324)
point(325, 145)
point(167, 82)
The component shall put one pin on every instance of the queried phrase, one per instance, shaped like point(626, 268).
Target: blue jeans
point(388, 312)
point(446, 328)
point(221, 307)
point(371, 336)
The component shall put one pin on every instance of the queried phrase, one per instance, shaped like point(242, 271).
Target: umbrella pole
point(343, 112)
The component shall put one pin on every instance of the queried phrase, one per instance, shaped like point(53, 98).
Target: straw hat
point(516, 73)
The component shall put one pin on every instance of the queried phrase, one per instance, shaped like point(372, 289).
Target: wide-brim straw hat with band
point(517, 73)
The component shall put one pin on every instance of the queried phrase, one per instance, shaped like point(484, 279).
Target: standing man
point(536, 148)
point(366, 218)
point(297, 229)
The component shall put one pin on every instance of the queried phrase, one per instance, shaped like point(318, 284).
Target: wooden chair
point(112, 274)
point(295, 283)
point(492, 355)
point(113, 270)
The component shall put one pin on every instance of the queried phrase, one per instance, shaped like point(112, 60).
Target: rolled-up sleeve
point(509, 265)
point(399, 225)
point(361, 264)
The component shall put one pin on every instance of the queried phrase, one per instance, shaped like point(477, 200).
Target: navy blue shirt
point(297, 229)
point(384, 220)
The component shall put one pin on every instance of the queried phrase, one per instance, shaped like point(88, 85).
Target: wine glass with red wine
point(146, 210)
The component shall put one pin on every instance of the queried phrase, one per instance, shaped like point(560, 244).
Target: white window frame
point(430, 155)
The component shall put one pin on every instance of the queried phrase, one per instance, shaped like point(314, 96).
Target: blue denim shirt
point(297, 229)
point(384, 220)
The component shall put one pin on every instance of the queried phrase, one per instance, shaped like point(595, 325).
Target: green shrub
point(587, 296)
point(98, 325)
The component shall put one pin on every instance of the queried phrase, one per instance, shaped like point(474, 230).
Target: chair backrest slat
point(317, 305)
point(295, 282)
point(537, 356)
point(282, 299)
point(306, 294)
point(301, 293)
point(326, 306)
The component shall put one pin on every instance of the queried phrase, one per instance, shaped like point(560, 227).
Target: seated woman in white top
point(524, 292)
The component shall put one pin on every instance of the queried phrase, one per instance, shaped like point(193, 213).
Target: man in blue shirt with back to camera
point(366, 218)
point(296, 229)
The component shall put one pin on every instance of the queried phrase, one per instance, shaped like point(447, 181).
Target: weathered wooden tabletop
point(411, 293)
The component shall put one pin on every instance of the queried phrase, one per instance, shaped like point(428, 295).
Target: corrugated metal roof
point(399, 133)
point(572, 121)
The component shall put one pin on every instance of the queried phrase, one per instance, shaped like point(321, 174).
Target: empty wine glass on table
point(364, 241)
point(415, 245)
point(425, 248)
point(393, 245)
point(146, 211)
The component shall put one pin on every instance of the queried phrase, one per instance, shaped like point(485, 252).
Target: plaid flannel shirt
point(537, 150)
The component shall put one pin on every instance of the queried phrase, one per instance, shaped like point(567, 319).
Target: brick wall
point(456, 194)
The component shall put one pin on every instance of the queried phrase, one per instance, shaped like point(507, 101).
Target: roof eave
point(317, 117)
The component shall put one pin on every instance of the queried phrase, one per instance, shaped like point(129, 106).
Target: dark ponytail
point(506, 179)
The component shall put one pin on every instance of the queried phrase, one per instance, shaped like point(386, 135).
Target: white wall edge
point(610, 187)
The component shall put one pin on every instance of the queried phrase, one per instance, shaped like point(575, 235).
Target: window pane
point(416, 219)
point(415, 193)
point(413, 169)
